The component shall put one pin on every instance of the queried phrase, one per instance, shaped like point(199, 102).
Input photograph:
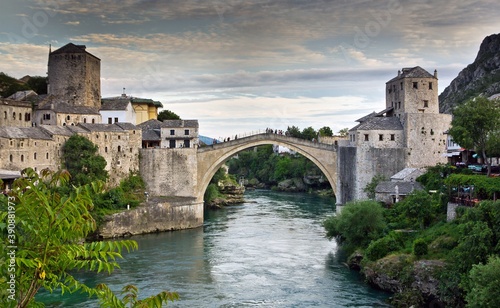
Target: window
point(119, 148)
point(5, 115)
point(366, 137)
point(187, 143)
point(393, 137)
point(186, 132)
point(14, 115)
point(68, 118)
point(130, 150)
point(20, 116)
point(415, 85)
point(105, 149)
point(172, 132)
point(119, 137)
point(380, 137)
point(22, 158)
point(105, 136)
point(93, 121)
point(84, 120)
point(46, 116)
point(34, 156)
point(430, 85)
point(116, 120)
point(401, 84)
point(110, 121)
point(11, 158)
point(47, 156)
point(27, 117)
point(399, 105)
point(171, 144)
point(426, 103)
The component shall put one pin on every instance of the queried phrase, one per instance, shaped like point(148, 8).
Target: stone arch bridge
point(186, 172)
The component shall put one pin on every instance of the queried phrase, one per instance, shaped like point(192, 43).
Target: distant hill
point(206, 140)
point(10, 85)
point(482, 77)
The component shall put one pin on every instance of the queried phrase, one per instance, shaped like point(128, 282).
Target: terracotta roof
point(412, 72)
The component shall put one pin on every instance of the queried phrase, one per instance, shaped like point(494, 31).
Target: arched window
point(11, 158)
point(93, 121)
point(5, 115)
point(68, 118)
point(47, 155)
point(20, 116)
point(34, 156)
point(14, 115)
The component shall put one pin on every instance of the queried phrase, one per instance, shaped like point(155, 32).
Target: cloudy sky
point(238, 65)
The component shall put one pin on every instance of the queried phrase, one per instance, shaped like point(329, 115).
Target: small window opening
point(426, 103)
point(393, 137)
point(172, 132)
point(366, 137)
point(380, 137)
point(430, 85)
point(415, 85)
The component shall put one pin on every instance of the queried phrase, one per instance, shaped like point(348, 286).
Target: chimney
point(399, 73)
point(435, 74)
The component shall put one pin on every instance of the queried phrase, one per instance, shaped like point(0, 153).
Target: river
point(268, 252)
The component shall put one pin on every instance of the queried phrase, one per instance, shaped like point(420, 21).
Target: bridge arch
point(211, 158)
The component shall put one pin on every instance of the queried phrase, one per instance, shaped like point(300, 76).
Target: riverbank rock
point(292, 185)
point(354, 261)
point(385, 274)
point(233, 194)
point(425, 281)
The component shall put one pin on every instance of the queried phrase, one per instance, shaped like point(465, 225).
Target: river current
point(268, 252)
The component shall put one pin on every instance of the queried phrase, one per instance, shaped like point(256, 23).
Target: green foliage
point(167, 115)
point(10, 85)
point(344, 132)
point(293, 131)
point(475, 123)
point(417, 210)
point(211, 193)
point(474, 245)
point(485, 187)
point(483, 286)
point(357, 224)
point(370, 187)
point(420, 247)
point(131, 298)
point(383, 246)
point(325, 131)
point(82, 160)
point(49, 228)
point(38, 84)
point(309, 133)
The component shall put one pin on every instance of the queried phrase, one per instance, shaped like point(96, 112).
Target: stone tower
point(413, 97)
point(74, 76)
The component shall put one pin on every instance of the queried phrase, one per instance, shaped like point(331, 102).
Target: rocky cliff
point(482, 77)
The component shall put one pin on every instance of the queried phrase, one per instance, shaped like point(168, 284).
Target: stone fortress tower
point(75, 76)
point(409, 133)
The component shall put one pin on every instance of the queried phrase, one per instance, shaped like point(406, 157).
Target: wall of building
point(426, 139)
point(374, 137)
point(346, 178)
point(123, 116)
point(75, 78)
point(15, 113)
point(157, 216)
point(170, 172)
point(19, 153)
point(405, 98)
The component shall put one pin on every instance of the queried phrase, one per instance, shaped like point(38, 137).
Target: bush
point(211, 193)
point(358, 224)
point(382, 247)
point(420, 247)
point(484, 279)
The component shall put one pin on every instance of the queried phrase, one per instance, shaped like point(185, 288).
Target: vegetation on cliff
point(43, 231)
point(10, 85)
point(413, 251)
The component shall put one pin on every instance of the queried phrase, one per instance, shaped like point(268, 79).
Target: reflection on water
point(269, 252)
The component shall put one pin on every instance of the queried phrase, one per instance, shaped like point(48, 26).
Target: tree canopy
point(82, 160)
point(475, 125)
point(167, 115)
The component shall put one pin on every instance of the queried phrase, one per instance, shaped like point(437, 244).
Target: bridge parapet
point(281, 139)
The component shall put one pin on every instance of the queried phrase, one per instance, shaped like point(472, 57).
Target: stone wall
point(346, 184)
point(169, 172)
point(15, 113)
point(426, 139)
point(157, 216)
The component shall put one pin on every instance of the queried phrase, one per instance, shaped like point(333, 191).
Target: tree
point(38, 84)
point(344, 132)
point(325, 131)
point(370, 187)
point(81, 159)
point(482, 288)
point(44, 239)
point(358, 223)
point(293, 131)
point(167, 115)
point(309, 133)
point(475, 124)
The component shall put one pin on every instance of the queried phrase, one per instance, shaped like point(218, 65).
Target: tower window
point(426, 103)
point(14, 115)
point(401, 84)
point(110, 120)
point(380, 137)
point(393, 137)
point(430, 85)
point(366, 137)
point(22, 158)
point(68, 118)
point(5, 115)
point(116, 120)
point(119, 148)
point(186, 132)
point(399, 105)
point(415, 85)
point(34, 156)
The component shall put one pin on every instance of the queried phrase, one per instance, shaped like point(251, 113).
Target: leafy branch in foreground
point(46, 231)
